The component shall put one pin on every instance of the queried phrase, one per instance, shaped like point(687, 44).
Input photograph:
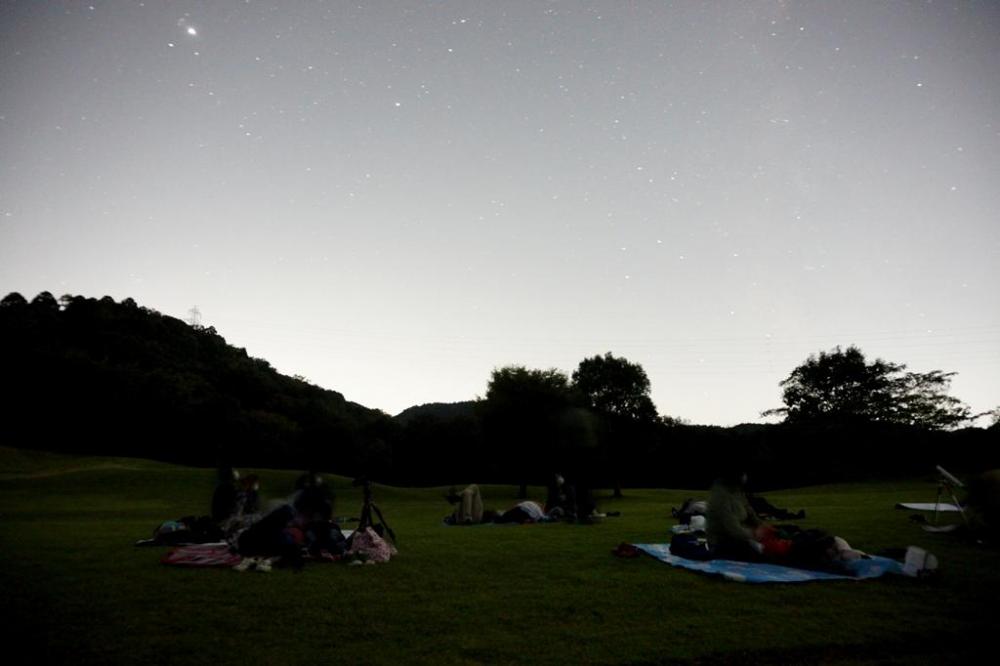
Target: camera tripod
point(368, 508)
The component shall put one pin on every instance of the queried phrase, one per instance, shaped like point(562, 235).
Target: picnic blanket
point(927, 506)
point(752, 572)
point(202, 555)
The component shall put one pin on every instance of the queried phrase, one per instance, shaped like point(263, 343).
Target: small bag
point(368, 545)
point(690, 546)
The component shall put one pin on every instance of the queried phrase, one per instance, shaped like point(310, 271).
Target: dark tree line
point(844, 419)
point(93, 376)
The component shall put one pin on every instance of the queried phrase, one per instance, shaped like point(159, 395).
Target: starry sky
point(394, 198)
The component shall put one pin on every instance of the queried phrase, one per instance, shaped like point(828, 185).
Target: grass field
point(76, 590)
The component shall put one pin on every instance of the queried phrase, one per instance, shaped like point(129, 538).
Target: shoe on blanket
point(919, 563)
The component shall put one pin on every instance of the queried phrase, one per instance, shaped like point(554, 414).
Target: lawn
point(76, 590)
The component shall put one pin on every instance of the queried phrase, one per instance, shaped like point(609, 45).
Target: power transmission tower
point(195, 317)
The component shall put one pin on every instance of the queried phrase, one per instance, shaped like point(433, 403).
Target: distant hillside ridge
point(86, 375)
point(93, 376)
point(444, 411)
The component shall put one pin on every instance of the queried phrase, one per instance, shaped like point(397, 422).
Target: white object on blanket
point(697, 525)
point(919, 562)
point(927, 506)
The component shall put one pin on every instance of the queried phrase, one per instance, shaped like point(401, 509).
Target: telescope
point(946, 484)
point(949, 477)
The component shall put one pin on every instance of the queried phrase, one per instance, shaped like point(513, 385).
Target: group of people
point(469, 510)
point(570, 502)
point(298, 526)
point(736, 531)
point(732, 524)
point(236, 499)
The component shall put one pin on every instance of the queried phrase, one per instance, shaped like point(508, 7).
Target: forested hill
point(89, 375)
point(437, 410)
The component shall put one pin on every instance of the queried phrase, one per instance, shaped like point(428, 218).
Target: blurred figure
point(983, 505)
point(248, 499)
point(313, 499)
point(560, 499)
point(732, 522)
point(226, 494)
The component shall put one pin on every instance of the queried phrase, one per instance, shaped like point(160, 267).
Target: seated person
point(560, 500)
point(313, 499)
point(571, 501)
point(236, 505)
point(248, 498)
point(983, 505)
point(226, 494)
point(732, 522)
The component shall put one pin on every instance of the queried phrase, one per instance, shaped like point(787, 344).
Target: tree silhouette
point(45, 300)
point(615, 386)
point(840, 386)
point(618, 390)
point(13, 300)
point(521, 413)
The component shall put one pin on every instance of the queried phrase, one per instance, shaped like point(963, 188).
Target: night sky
point(394, 198)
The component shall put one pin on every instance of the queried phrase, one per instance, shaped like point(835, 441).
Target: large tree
point(617, 389)
point(615, 385)
point(13, 300)
point(522, 412)
point(841, 386)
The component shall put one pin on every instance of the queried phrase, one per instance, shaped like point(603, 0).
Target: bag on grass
point(368, 545)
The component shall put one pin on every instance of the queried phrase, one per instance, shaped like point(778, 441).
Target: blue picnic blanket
point(752, 572)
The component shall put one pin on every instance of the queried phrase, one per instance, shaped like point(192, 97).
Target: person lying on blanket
point(524, 512)
point(765, 509)
point(468, 506)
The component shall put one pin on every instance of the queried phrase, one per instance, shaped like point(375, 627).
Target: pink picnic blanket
point(202, 555)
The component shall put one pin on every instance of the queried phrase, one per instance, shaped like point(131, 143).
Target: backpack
point(690, 546)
